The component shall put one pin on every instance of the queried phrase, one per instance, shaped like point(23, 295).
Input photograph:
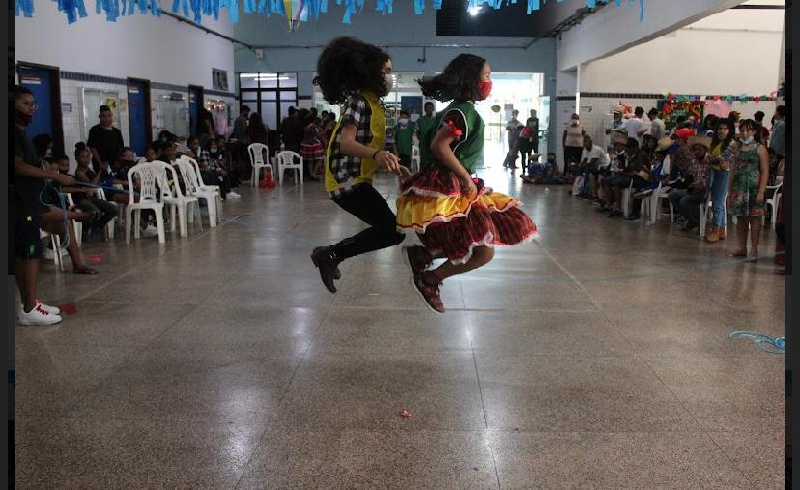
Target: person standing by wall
point(105, 141)
point(533, 124)
point(572, 141)
point(26, 182)
point(240, 140)
point(513, 128)
point(404, 135)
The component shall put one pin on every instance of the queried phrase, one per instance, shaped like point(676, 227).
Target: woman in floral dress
point(748, 179)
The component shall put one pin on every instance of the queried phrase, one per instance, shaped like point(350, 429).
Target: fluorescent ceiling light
point(474, 10)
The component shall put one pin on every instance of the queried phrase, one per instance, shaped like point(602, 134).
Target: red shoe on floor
point(427, 286)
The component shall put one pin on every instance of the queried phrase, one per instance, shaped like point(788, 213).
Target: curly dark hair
point(348, 66)
point(458, 81)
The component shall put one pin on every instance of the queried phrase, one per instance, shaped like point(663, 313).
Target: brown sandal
point(85, 270)
point(737, 255)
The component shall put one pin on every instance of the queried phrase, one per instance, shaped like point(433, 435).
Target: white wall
point(614, 29)
point(730, 53)
point(159, 49)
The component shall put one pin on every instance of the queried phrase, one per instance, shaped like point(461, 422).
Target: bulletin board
point(671, 110)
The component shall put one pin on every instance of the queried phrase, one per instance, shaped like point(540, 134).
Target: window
point(269, 94)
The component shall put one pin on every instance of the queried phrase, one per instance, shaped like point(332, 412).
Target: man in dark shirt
point(105, 141)
point(292, 131)
point(26, 182)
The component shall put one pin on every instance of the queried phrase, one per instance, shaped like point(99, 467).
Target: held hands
point(388, 161)
point(403, 173)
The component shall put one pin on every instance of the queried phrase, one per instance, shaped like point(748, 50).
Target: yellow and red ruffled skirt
point(432, 205)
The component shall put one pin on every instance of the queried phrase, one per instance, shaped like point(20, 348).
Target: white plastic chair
point(110, 227)
point(774, 201)
point(192, 181)
point(626, 200)
point(206, 187)
point(257, 152)
point(55, 242)
point(186, 206)
point(287, 159)
point(78, 226)
point(151, 176)
point(415, 159)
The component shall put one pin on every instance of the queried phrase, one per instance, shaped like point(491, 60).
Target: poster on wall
point(671, 110)
point(719, 108)
point(220, 79)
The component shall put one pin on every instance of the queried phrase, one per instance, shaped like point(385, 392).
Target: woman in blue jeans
point(723, 152)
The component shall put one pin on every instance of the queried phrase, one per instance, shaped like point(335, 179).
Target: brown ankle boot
point(712, 235)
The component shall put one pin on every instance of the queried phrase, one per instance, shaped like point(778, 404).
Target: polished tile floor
point(596, 357)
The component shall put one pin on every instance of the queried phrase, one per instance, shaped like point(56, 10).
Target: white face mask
point(404, 121)
point(389, 81)
point(748, 140)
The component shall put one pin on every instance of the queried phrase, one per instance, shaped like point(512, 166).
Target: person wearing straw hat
point(697, 164)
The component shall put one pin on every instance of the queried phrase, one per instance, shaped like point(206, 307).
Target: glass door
point(269, 94)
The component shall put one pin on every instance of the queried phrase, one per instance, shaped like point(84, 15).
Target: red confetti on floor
point(68, 309)
point(96, 258)
point(405, 414)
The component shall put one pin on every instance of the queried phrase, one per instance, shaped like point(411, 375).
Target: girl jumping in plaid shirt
point(355, 74)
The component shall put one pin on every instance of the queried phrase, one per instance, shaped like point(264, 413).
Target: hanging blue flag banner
point(196, 9)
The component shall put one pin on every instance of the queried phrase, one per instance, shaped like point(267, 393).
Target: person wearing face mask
point(356, 75)
point(572, 142)
point(26, 182)
point(404, 134)
point(453, 214)
point(747, 183)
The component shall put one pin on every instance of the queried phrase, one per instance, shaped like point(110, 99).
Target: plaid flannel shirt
point(346, 167)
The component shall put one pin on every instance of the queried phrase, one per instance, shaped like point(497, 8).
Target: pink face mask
point(485, 88)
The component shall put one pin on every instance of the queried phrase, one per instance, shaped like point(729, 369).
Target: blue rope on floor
point(767, 343)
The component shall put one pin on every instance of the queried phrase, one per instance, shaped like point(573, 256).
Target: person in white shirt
point(657, 127)
point(592, 159)
point(635, 126)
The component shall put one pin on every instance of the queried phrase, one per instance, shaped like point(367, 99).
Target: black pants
point(106, 210)
point(210, 177)
point(367, 204)
point(571, 154)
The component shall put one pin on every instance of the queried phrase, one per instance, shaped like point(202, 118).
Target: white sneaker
point(37, 316)
point(53, 310)
point(233, 195)
point(150, 232)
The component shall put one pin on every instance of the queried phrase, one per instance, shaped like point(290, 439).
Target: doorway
point(141, 127)
point(44, 82)
point(511, 91)
point(269, 94)
point(195, 103)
